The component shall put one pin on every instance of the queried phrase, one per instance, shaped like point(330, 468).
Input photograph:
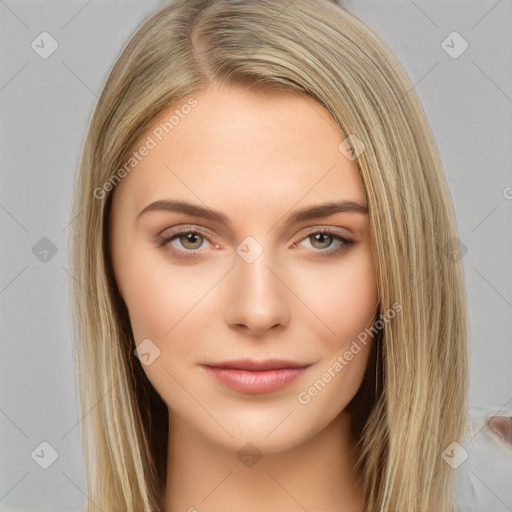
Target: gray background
point(45, 106)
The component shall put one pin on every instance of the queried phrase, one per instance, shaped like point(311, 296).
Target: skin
point(256, 157)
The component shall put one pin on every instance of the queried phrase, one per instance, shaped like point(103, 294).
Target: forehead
point(242, 146)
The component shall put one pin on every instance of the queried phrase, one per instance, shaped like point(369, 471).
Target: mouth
point(256, 377)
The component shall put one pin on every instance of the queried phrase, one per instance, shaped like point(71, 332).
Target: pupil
point(190, 238)
point(319, 236)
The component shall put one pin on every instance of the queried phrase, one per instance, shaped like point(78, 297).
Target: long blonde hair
point(416, 406)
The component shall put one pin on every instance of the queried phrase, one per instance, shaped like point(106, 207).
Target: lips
point(256, 377)
point(259, 366)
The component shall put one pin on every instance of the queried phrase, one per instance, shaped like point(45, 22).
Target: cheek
point(346, 297)
point(163, 303)
point(347, 305)
point(160, 297)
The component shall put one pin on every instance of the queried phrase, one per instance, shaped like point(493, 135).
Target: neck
point(318, 475)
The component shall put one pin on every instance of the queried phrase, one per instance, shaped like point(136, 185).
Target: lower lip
point(246, 381)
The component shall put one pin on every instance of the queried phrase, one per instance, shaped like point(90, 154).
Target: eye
point(190, 242)
point(327, 242)
point(189, 239)
point(184, 242)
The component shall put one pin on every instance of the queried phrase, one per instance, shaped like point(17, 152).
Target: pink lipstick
point(249, 376)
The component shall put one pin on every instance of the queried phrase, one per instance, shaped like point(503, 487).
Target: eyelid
point(184, 228)
point(342, 232)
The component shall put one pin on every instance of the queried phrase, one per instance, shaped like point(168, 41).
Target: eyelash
point(165, 242)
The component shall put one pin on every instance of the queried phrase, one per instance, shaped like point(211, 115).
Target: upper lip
point(255, 366)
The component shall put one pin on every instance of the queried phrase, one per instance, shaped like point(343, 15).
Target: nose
point(257, 298)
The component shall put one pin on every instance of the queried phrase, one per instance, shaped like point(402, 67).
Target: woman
point(230, 358)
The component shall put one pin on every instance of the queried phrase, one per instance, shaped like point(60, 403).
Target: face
point(242, 293)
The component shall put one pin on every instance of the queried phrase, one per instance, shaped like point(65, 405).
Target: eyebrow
point(313, 212)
